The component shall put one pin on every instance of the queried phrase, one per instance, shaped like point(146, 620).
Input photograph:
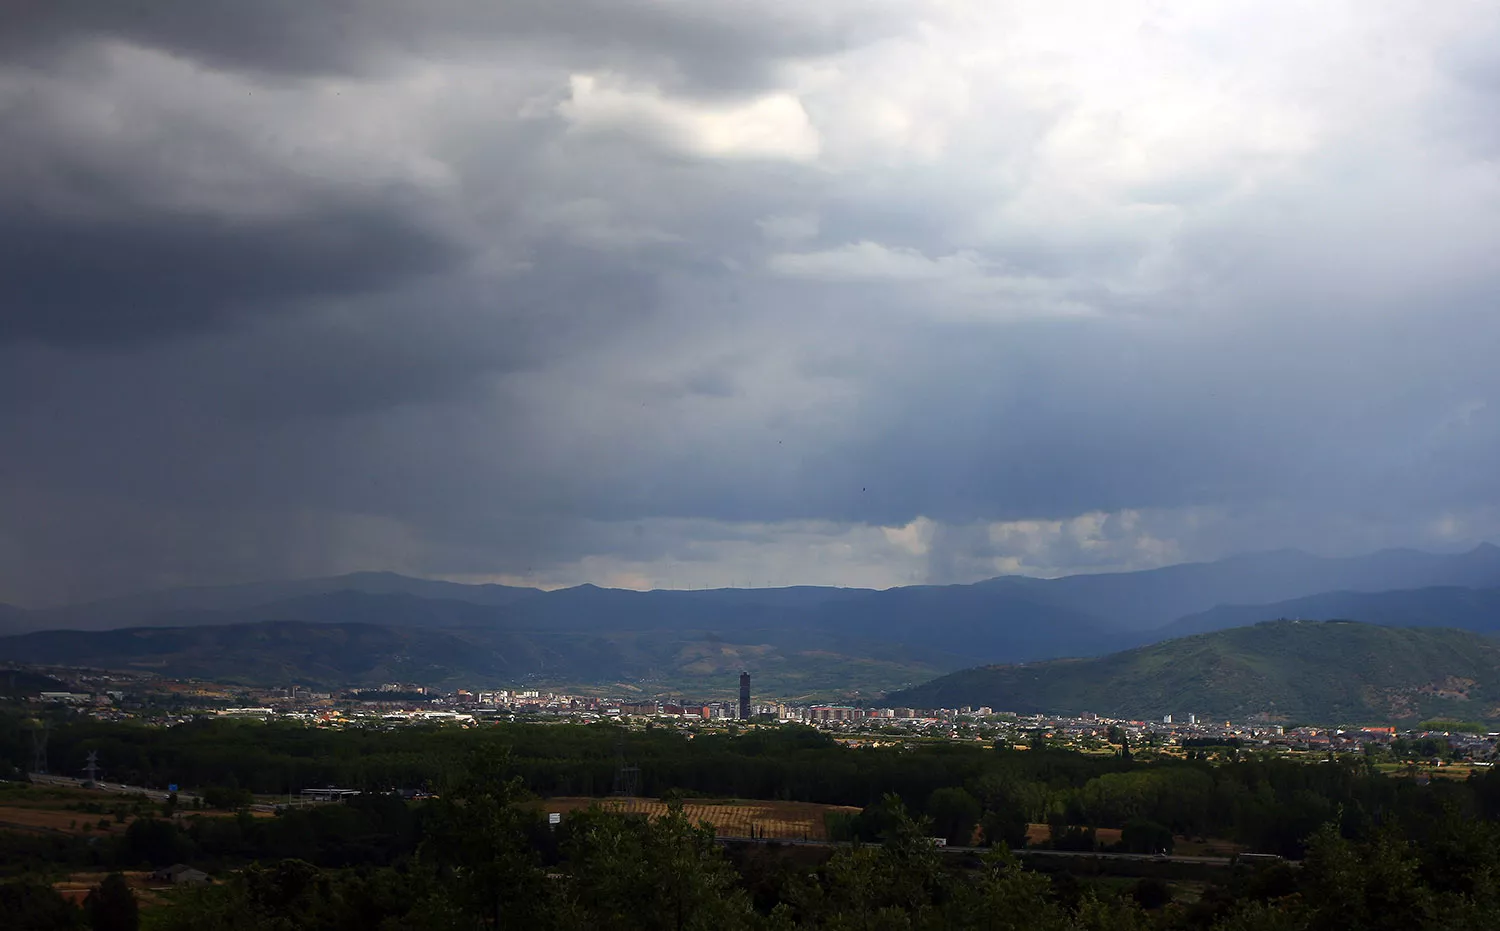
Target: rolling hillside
point(699, 663)
point(1327, 672)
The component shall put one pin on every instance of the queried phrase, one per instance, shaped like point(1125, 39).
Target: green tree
point(954, 813)
point(625, 872)
point(1006, 827)
point(894, 886)
point(227, 798)
point(1142, 836)
point(480, 841)
point(1001, 896)
point(1365, 887)
point(154, 842)
point(111, 905)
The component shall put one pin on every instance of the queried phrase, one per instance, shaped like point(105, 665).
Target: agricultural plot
point(730, 818)
point(68, 822)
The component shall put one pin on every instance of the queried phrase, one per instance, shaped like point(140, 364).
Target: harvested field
point(52, 816)
point(730, 818)
point(48, 819)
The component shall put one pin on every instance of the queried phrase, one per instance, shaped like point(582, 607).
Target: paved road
point(116, 788)
point(183, 798)
point(1023, 852)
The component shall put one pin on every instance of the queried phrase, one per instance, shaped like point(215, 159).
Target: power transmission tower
point(39, 749)
point(627, 777)
point(92, 766)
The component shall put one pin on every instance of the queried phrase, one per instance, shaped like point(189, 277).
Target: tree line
point(1347, 820)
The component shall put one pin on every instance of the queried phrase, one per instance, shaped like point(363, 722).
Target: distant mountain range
point(1476, 609)
point(1325, 672)
point(891, 638)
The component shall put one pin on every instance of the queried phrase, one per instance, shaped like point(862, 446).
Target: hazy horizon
point(770, 584)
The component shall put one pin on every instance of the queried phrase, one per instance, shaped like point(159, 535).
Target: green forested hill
point(786, 664)
point(1336, 671)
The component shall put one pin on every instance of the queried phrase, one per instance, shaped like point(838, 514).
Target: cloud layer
point(653, 293)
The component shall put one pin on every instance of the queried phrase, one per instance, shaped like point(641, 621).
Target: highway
point(105, 786)
point(1024, 852)
point(183, 798)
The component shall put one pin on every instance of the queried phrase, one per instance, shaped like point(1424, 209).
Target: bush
point(1151, 892)
point(226, 798)
point(36, 906)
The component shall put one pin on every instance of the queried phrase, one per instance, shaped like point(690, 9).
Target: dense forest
point(1374, 850)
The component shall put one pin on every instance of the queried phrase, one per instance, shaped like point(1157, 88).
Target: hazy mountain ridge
point(1328, 672)
point(134, 610)
point(1476, 609)
point(929, 628)
point(1154, 598)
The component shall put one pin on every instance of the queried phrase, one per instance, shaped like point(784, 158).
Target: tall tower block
point(744, 696)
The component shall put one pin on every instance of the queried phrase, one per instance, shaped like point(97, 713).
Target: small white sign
point(554, 817)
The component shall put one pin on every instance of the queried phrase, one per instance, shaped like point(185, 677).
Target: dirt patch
point(78, 885)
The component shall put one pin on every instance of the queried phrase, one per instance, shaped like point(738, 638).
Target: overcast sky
point(740, 292)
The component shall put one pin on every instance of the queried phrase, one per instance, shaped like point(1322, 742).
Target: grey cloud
point(725, 47)
point(502, 344)
point(125, 220)
point(88, 283)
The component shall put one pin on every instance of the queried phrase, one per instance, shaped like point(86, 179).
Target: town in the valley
point(131, 696)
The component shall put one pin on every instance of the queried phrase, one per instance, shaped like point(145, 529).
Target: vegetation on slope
point(1337, 671)
point(696, 663)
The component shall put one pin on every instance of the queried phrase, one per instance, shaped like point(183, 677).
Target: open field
point(1041, 833)
point(58, 809)
point(1458, 771)
point(1185, 846)
point(56, 819)
point(730, 817)
point(70, 810)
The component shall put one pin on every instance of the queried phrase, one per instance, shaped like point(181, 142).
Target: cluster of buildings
point(119, 696)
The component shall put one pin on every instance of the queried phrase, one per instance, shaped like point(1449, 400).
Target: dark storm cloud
point(86, 282)
point(725, 46)
point(134, 210)
point(583, 291)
